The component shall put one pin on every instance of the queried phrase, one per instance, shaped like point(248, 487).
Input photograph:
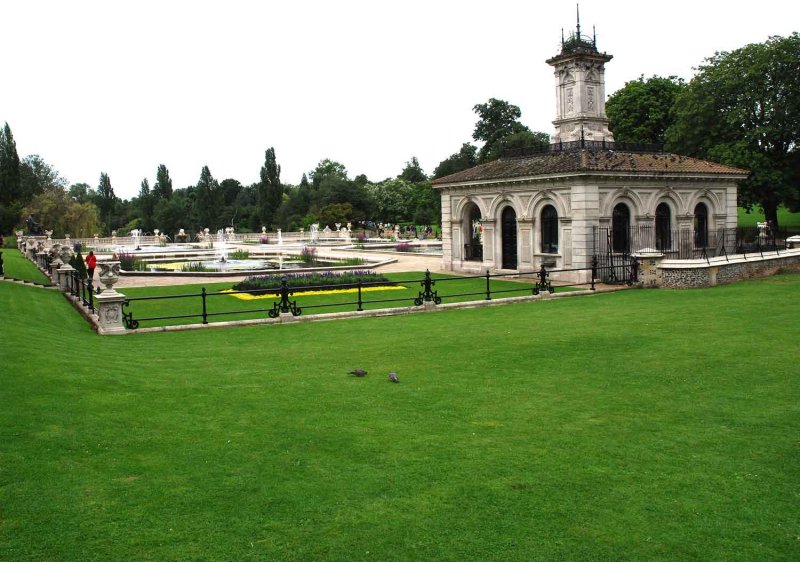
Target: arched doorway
point(700, 225)
point(473, 234)
point(509, 225)
point(621, 226)
point(663, 230)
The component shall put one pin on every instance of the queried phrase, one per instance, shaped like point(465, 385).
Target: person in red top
point(91, 263)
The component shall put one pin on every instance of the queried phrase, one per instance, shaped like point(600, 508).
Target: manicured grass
point(234, 308)
point(646, 424)
point(786, 219)
point(19, 267)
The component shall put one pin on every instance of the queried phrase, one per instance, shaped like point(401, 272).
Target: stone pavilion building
point(586, 194)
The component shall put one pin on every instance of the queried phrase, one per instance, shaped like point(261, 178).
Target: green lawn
point(17, 266)
point(644, 424)
point(786, 219)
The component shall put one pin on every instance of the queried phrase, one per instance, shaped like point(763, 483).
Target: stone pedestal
point(54, 265)
point(109, 311)
point(650, 268)
point(64, 272)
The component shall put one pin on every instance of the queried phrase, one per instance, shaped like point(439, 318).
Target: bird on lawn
point(358, 372)
point(393, 377)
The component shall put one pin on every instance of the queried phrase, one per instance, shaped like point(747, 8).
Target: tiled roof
point(578, 161)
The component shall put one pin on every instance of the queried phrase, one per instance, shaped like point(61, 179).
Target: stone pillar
point(109, 312)
point(565, 244)
point(525, 251)
point(457, 239)
point(489, 226)
point(54, 265)
point(650, 268)
point(109, 302)
point(64, 272)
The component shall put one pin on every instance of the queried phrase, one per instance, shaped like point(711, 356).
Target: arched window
point(701, 225)
point(663, 227)
point(473, 235)
point(549, 230)
point(621, 227)
point(509, 238)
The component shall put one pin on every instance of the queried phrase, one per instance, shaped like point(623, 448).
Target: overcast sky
point(121, 87)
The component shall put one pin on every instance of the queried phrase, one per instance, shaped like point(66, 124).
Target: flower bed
point(300, 281)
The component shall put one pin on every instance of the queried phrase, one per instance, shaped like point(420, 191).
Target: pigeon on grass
point(393, 377)
point(358, 372)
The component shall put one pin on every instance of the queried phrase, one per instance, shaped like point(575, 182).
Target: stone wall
point(686, 274)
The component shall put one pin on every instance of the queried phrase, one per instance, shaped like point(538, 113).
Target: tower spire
point(578, 12)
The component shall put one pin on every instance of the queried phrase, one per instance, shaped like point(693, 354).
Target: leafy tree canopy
point(327, 169)
point(497, 119)
point(465, 158)
point(743, 109)
point(640, 111)
point(413, 171)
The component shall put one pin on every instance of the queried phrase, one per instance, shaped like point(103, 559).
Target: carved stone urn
point(109, 274)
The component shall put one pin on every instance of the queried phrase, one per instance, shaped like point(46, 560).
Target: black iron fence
point(614, 247)
point(1, 264)
point(581, 145)
point(429, 291)
point(81, 288)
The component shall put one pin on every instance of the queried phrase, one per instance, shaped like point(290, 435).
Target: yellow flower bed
point(249, 297)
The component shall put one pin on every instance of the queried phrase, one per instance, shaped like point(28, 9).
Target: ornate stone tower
point(580, 89)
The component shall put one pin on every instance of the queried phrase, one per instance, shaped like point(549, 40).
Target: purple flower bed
point(311, 281)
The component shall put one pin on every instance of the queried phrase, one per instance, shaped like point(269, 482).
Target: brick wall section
point(679, 276)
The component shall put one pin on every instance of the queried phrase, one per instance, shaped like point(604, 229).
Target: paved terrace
point(405, 262)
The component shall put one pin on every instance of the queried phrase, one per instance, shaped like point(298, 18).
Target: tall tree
point(270, 190)
point(497, 119)
point(9, 168)
point(327, 169)
point(163, 186)
point(413, 171)
point(640, 110)
point(743, 109)
point(37, 176)
point(209, 201)
point(82, 192)
point(465, 158)
point(146, 205)
point(10, 189)
point(105, 200)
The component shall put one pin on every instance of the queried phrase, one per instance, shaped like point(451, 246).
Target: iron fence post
point(1, 264)
point(634, 273)
point(285, 304)
point(360, 303)
point(542, 284)
point(594, 270)
point(427, 294)
point(91, 295)
point(488, 290)
point(205, 312)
